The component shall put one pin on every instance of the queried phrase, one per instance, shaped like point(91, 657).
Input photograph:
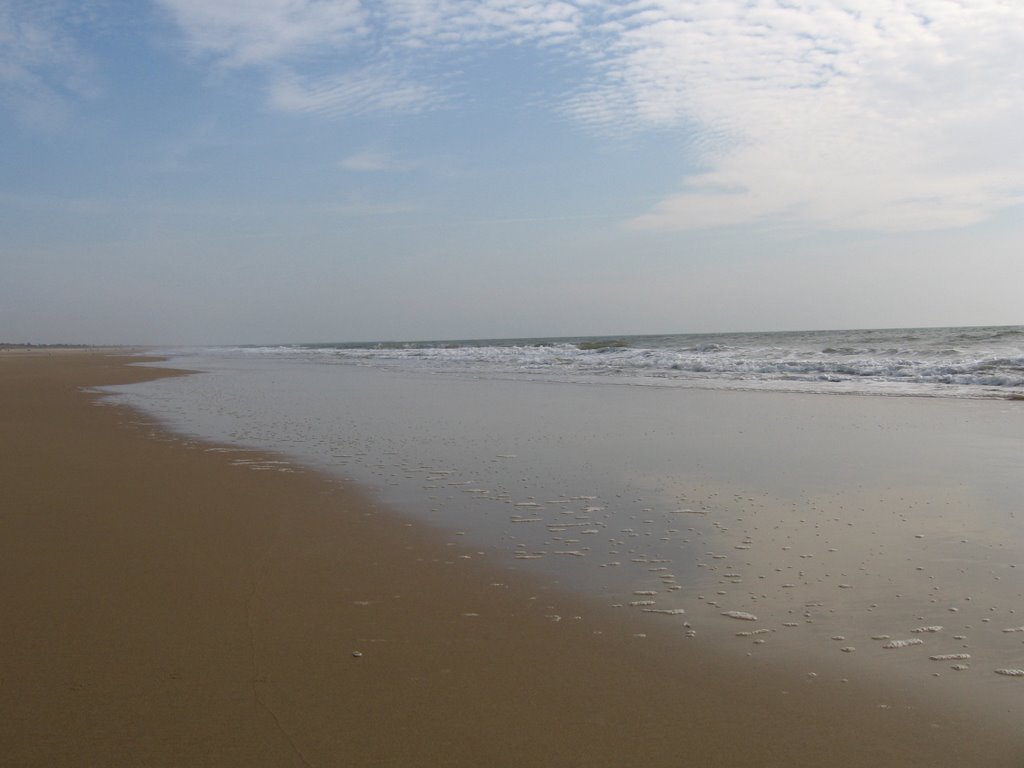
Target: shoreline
point(167, 605)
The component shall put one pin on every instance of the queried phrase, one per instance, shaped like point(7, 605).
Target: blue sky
point(187, 171)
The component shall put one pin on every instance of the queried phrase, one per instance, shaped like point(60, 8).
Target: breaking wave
point(957, 362)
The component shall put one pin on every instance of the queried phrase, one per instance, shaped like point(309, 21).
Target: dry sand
point(162, 606)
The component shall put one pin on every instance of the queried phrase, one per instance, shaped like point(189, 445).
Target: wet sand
point(164, 604)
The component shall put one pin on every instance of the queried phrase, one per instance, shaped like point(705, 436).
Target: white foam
point(903, 643)
point(742, 615)
point(666, 611)
point(1011, 672)
point(921, 630)
point(950, 657)
point(819, 362)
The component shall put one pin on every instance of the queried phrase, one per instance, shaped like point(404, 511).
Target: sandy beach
point(165, 605)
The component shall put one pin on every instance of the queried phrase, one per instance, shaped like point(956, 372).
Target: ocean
point(944, 362)
point(850, 500)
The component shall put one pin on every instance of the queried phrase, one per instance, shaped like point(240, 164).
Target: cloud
point(362, 209)
point(43, 72)
point(390, 40)
point(365, 91)
point(446, 23)
point(372, 161)
point(839, 114)
point(245, 32)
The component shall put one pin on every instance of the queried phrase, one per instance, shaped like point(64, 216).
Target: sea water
point(836, 528)
point(946, 362)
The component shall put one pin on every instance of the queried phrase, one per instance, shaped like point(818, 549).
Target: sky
point(275, 171)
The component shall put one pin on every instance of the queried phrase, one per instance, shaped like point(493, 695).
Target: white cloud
point(396, 36)
point(897, 115)
point(366, 91)
point(246, 32)
point(372, 161)
point(43, 72)
point(419, 24)
point(876, 114)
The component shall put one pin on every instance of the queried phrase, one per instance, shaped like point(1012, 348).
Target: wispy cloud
point(362, 209)
point(246, 32)
point(43, 72)
point(418, 24)
point(373, 161)
point(366, 91)
point(833, 113)
point(283, 36)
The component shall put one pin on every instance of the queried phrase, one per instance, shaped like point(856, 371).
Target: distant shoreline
point(10, 346)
